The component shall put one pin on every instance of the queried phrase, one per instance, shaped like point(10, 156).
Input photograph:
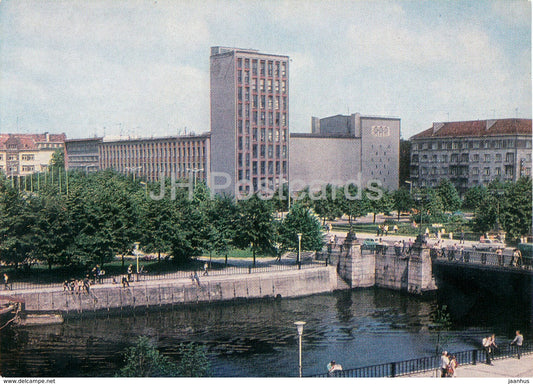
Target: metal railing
point(226, 271)
point(425, 364)
point(483, 258)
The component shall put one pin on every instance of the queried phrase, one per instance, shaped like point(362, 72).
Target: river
point(258, 338)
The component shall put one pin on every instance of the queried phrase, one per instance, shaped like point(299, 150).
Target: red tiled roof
point(477, 128)
point(29, 140)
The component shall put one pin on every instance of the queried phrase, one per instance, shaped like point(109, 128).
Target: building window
point(509, 157)
point(28, 157)
point(486, 171)
point(487, 158)
point(498, 157)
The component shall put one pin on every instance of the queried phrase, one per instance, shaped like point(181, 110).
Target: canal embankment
point(167, 292)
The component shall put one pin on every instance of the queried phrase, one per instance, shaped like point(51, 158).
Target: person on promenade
point(444, 361)
point(332, 367)
point(125, 282)
point(518, 340)
point(462, 241)
point(493, 346)
point(516, 259)
point(196, 278)
point(130, 271)
point(451, 367)
point(487, 342)
point(6, 281)
point(205, 269)
point(499, 254)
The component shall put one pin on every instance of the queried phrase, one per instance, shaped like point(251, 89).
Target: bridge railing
point(425, 364)
point(483, 258)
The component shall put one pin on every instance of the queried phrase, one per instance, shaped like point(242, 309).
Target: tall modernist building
point(346, 149)
point(249, 119)
point(469, 153)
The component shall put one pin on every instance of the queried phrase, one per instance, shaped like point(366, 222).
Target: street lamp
point(300, 328)
point(299, 250)
point(410, 186)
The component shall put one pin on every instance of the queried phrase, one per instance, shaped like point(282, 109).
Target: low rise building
point(470, 153)
point(346, 149)
point(23, 154)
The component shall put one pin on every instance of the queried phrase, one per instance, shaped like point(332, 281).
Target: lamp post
point(300, 328)
point(410, 186)
point(299, 261)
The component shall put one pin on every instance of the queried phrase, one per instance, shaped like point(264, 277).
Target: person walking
point(518, 340)
point(130, 272)
point(493, 346)
point(451, 366)
point(6, 281)
point(462, 237)
point(205, 269)
point(487, 341)
point(444, 361)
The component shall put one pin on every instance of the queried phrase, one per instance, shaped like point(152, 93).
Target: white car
point(488, 245)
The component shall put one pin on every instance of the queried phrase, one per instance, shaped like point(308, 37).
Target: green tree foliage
point(515, 209)
point(58, 159)
point(300, 219)
point(17, 225)
point(379, 201)
point(144, 360)
point(402, 200)
point(448, 195)
point(328, 202)
point(355, 203)
point(486, 214)
point(474, 196)
point(255, 226)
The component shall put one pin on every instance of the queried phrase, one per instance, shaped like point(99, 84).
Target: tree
point(449, 196)
point(474, 196)
point(486, 214)
point(300, 219)
point(402, 200)
point(222, 217)
point(144, 360)
point(327, 203)
point(58, 159)
point(255, 226)
point(17, 225)
point(441, 322)
point(516, 207)
point(379, 202)
point(356, 205)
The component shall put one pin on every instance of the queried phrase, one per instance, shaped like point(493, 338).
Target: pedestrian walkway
point(511, 367)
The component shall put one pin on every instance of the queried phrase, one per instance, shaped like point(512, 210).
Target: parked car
point(369, 244)
point(488, 245)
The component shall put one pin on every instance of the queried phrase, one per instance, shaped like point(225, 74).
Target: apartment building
point(470, 153)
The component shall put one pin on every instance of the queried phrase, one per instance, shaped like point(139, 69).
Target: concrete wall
point(223, 114)
point(319, 160)
point(380, 150)
point(151, 294)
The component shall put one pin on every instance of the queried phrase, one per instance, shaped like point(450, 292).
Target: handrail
point(428, 363)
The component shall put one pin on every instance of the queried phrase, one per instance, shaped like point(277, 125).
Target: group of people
point(448, 364)
point(489, 345)
point(383, 230)
point(333, 367)
point(403, 248)
point(77, 286)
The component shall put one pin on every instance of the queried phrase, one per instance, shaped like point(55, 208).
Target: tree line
point(73, 218)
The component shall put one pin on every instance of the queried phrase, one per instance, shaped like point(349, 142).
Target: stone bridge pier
point(382, 267)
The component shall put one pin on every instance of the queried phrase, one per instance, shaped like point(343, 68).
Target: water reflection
point(355, 328)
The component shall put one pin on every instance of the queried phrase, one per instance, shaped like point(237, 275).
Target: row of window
point(278, 119)
point(465, 157)
point(262, 149)
point(270, 134)
point(472, 144)
point(463, 171)
point(262, 101)
point(151, 151)
point(263, 67)
point(24, 157)
point(261, 85)
point(263, 168)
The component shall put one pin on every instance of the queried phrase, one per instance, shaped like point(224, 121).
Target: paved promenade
point(510, 367)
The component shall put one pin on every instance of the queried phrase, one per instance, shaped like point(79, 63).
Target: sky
point(141, 68)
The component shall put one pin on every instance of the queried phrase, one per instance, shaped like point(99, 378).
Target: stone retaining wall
point(167, 292)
